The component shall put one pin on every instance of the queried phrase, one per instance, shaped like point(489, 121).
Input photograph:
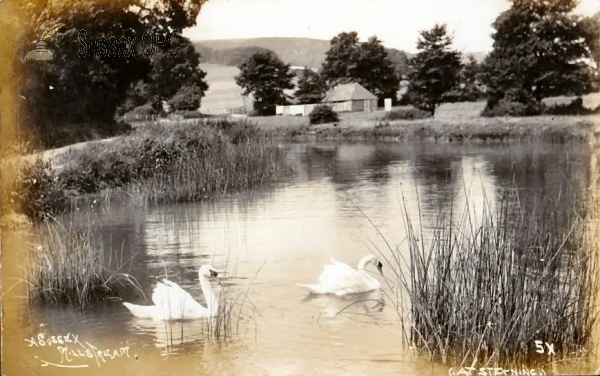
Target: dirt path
point(53, 153)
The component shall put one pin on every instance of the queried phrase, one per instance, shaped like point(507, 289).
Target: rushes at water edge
point(66, 265)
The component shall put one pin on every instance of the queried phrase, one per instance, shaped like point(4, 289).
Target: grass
point(157, 163)
point(67, 266)
point(483, 289)
point(452, 122)
point(554, 129)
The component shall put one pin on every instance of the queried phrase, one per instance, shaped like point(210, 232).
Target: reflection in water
point(271, 240)
point(175, 337)
point(364, 304)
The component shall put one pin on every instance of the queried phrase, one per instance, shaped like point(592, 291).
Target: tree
point(311, 88)
point(539, 51)
point(469, 87)
point(400, 61)
point(470, 78)
point(375, 71)
point(187, 98)
point(265, 76)
point(183, 73)
point(592, 28)
point(435, 69)
point(94, 74)
point(366, 63)
point(341, 60)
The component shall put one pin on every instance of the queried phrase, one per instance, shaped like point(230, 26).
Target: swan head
point(371, 259)
point(208, 271)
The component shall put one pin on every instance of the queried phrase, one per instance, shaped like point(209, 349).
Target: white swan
point(341, 279)
point(171, 302)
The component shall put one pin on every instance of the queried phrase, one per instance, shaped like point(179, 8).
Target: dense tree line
point(108, 58)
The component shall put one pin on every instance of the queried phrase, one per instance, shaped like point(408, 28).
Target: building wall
point(295, 109)
point(354, 106)
point(341, 106)
point(347, 106)
point(358, 105)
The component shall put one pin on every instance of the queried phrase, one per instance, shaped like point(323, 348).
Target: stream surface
point(345, 201)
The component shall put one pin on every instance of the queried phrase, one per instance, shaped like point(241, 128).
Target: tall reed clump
point(218, 156)
point(66, 266)
point(483, 291)
point(231, 305)
point(160, 163)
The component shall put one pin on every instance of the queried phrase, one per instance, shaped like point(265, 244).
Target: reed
point(157, 163)
point(231, 311)
point(66, 266)
point(483, 289)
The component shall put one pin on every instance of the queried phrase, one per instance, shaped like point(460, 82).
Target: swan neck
point(209, 295)
point(362, 264)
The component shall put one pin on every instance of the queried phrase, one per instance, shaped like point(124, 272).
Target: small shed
point(350, 97)
point(295, 109)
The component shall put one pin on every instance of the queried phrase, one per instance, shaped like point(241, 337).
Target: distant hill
point(294, 51)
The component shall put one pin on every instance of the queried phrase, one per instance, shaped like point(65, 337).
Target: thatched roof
point(348, 92)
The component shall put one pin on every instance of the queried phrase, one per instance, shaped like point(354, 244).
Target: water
point(269, 240)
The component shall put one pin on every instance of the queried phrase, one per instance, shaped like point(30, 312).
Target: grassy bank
point(453, 122)
point(483, 290)
point(555, 129)
point(157, 163)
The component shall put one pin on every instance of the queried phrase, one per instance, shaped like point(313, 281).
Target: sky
point(396, 22)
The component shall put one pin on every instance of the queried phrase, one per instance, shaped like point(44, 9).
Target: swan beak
point(214, 273)
point(380, 268)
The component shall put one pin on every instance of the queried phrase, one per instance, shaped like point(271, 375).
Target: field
point(224, 93)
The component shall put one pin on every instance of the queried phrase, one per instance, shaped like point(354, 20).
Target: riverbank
point(158, 163)
point(453, 122)
point(555, 129)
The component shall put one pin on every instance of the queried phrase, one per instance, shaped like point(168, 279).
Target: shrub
point(507, 108)
point(574, 108)
point(188, 114)
point(322, 115)
point(410, 113)
point(145, 109)
point(37, 190)
point(237, 131)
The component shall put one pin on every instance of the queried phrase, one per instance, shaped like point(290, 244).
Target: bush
point(462, 95)
point(188, 114)
point(507, 108)
point(322, 115)
point(38, 190)
point(143, 112)
point(574, 108)
point(410, 113)
point(145, 109)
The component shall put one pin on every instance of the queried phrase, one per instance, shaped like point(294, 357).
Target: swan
point(341, 279)
point(171, 302)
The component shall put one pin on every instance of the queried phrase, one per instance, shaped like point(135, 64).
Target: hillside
point(295, 51)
